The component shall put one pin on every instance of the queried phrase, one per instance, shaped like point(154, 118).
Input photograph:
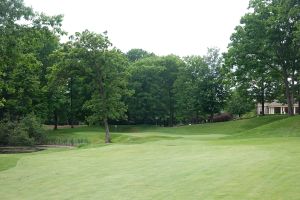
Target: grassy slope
point(289, 127)
point(188, 167)
point(8, 161)
point(140, 134)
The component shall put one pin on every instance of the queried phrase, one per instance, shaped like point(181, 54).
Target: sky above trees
point(181, 27)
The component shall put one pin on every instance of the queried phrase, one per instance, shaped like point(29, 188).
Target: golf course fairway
point(247, 159)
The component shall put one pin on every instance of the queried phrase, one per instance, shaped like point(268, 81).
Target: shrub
point(5, 130)
point(250, 114)
point(28, 131)
point(33, 127)
point(223, 117)
point(19, 137)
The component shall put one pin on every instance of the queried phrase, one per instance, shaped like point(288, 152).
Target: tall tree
point(267, 36)
point(213, 87)
point(188, 107)
point(172, 64)
point(281, 23)
point(239, 103)
point(23, 56)
point(153, 79)
point(202, 89)
point(248, 64)
point(106, 71)
point(146, 105)
point(67, 72)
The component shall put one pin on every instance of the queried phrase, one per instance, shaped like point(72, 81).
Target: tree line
point(88, 80)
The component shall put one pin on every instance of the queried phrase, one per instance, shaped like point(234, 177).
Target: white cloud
point(181, 27)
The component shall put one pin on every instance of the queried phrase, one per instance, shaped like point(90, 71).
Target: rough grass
point(250, 159)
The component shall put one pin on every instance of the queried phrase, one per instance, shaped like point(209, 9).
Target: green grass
point(140, 134)
point(94, 136)
point(257, 158)
point(8, 161)
point(284, 128)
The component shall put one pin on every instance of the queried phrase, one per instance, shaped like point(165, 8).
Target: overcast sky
point(181, 27)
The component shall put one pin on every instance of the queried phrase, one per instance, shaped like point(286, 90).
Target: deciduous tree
point(106, 71)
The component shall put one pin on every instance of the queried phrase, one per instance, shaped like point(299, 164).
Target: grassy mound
point(95, 136)
point(141, 134)
point(8, 161)
point(287, 127)
point(225, 128)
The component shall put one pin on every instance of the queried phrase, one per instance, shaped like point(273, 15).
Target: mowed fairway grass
point(251, 159)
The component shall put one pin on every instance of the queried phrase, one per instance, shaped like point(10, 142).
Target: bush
point(28, 131)
point(223, 117)
point(19, 137)
point(33, 127)
point(5, 130)
point(250, 114)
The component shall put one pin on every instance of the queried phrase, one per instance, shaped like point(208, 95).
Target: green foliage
point(153, 81)
point(26, 132)
point(24, 49)
point(264, 52)
point(250, 114)
point(67, 90)
point(247, 59)
point(107, 76)
point(32, 125)
point(86, 80)
point(201, 89)
point(67, 141)
point(239, 104)
point(187, 97)
point(137, 54)
point(5, 131)
point(13, 10)
point(145, 104)
point(19, 137)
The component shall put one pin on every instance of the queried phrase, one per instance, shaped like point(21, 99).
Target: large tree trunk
point(102, 95)
point(298, 97)
point(288, 94)
point(171, 108)
point(55, 120)
point(107, 133)
point(212, 117)
point(71, 104)
point(263, 102)
point(197, 117)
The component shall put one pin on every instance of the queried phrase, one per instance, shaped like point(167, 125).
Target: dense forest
point(87, 80)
